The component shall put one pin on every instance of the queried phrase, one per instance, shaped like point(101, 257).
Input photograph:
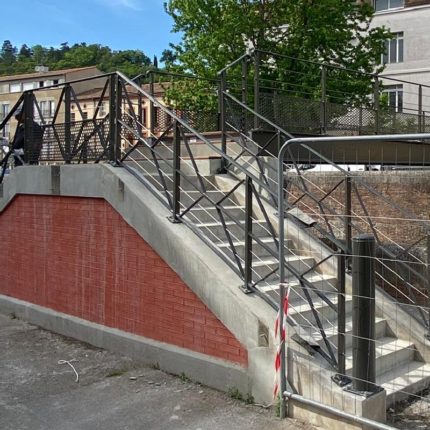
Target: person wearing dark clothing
point(32, 153)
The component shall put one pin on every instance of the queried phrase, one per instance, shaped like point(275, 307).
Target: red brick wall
point(79, 257)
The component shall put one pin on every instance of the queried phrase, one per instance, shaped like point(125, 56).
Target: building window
point(84, 115)
point(388, 4)
point(393, 49)
point(394, 97)
point(4, 110)
point(47, 108)
point(15, 88)
point(27, 86)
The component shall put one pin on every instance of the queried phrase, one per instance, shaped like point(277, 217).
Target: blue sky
point(119, 24)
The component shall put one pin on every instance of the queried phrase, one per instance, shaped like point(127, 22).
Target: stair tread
point(330, 329)
point(384, 346)
point(315, 278)
point(403, 376)
point(319, 303)
point(271, 261)
point(267, 239)
point(219, 223)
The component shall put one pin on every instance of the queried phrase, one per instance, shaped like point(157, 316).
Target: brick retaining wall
point(79, 257)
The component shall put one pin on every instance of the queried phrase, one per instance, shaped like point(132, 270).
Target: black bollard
point(363, 313)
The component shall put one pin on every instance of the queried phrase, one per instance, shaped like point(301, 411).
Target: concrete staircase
point(400, 369)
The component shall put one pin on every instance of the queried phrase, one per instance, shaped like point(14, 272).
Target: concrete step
point(208, 214)
point(215, 229)
point(390, 353)
point(264, 266)
point(188, 183)
point(326, 283)
point(404, 380)
point(266, 249)
point(188, 197)
point(331, 330)
point(301, 311)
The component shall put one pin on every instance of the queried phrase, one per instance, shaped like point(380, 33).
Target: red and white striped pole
point(281, 326)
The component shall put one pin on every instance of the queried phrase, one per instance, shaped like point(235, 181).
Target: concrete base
point(198, 367)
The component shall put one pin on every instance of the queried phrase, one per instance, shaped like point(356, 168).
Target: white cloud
point(128, 4)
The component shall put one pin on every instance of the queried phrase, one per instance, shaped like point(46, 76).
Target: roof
point(43, 74)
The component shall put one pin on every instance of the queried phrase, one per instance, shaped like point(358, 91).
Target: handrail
point(346, 69)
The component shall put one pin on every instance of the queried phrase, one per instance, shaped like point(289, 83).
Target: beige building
point(11, 88)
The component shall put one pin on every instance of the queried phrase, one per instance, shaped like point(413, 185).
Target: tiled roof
point(43, 74)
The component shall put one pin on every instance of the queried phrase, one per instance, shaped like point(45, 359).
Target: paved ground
point(113, 393)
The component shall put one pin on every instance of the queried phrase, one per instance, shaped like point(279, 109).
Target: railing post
point(244, 92)
point(117, 148)
point(112, 117)
point(28, 126)
point(248, 235)
point(428, 284)
point(222, 119)
point(176, 192)
point(323, 113)
point(363, 314)
point(420, 108)
point(341, 378)
point(347, 219)
point(376, 104)
point(151, 106)
point(257, 58)
point(341, 323)
point(67, 123)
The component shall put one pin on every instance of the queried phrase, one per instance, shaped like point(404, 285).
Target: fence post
point(363, 314)
point(376, 103)
point(222, 119)
point(176, 174)
point(257, 58)
point(151, 107)
point(420, 108)
point(28, 126)
point(347, 220)
point(341, 267)
point(244, 92)
point(428, 284)
point(248, 235)
point(67, 123)
point(112, 117)
point(323, 113)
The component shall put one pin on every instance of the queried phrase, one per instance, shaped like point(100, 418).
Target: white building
point(408, 53)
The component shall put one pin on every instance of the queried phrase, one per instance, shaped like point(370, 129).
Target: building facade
point(407, 56)
point(11, 88)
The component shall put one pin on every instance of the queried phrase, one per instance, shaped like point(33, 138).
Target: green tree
point(337, 32)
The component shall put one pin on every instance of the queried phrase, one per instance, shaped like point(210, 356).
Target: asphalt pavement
point(39, 390)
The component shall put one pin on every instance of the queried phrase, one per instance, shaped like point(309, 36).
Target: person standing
point(30, 154)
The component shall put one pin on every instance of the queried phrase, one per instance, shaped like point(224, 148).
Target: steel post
point(363, 314)
point(257, 59)
point(28, 111)
point(341, 323)
point(222, 119)
point(176, 174)
point(112, 117)
point(323, 114)
point(347, 219)
point(428, 284)
point(151, 106)
point(420, 108)
point(67, 123)
point(248, 235)
point(244, 92)
point(376, 103)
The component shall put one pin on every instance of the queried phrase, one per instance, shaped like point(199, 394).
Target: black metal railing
point(164, 148)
